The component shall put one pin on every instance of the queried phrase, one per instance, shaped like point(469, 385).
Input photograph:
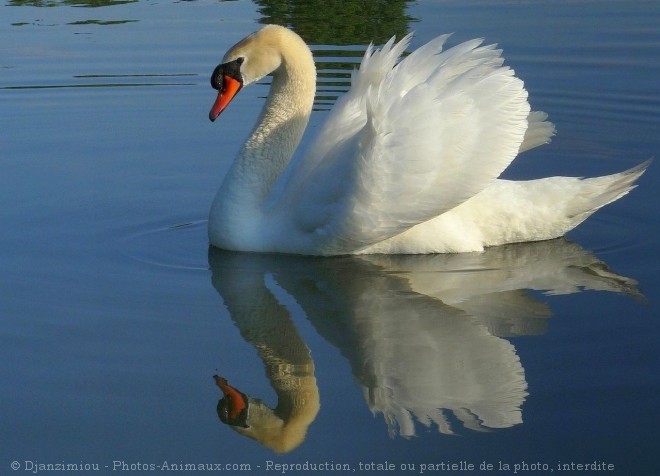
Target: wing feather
point(408, 142)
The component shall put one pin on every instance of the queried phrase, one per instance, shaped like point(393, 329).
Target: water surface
point(116, 315)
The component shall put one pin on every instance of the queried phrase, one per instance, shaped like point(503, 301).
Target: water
point(115, 316)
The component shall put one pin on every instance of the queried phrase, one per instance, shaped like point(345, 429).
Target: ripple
point(181, 246)
point(609, 233)
point(112, 81)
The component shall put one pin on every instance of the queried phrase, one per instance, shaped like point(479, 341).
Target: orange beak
point(226, 93)
point(235, 398)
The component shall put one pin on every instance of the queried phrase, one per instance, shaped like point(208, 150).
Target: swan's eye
point(240, 60)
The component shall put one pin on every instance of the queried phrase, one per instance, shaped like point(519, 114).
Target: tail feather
point(599, 191)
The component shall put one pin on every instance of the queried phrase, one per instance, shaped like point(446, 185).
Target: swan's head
point(233, 407)
point(252, 58)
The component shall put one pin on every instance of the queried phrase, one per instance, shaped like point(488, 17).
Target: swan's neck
point(276, 136)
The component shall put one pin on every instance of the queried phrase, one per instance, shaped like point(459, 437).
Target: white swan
point(407, 161)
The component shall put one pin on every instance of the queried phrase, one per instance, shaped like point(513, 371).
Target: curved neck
point(277, 133)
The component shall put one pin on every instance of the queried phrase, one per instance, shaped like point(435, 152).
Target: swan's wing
point(539, 131)
point(411, 142)
point(347, 117)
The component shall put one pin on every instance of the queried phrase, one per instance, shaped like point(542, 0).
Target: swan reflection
point(423, 334)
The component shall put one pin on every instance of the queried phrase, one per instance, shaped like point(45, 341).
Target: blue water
point(115, 315)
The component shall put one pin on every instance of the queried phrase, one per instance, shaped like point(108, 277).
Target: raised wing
point(407, 143)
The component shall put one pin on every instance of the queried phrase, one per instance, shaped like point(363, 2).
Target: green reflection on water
point(334, 22)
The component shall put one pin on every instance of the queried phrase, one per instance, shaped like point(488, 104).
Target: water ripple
point(180, 246)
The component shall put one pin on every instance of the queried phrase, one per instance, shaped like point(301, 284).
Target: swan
point(407, 162)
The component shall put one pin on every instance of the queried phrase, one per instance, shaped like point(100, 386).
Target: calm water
point(115, 316)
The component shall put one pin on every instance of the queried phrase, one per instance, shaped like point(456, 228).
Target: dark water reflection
point(423, 334)
point(353, 22)
point(74, 3)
